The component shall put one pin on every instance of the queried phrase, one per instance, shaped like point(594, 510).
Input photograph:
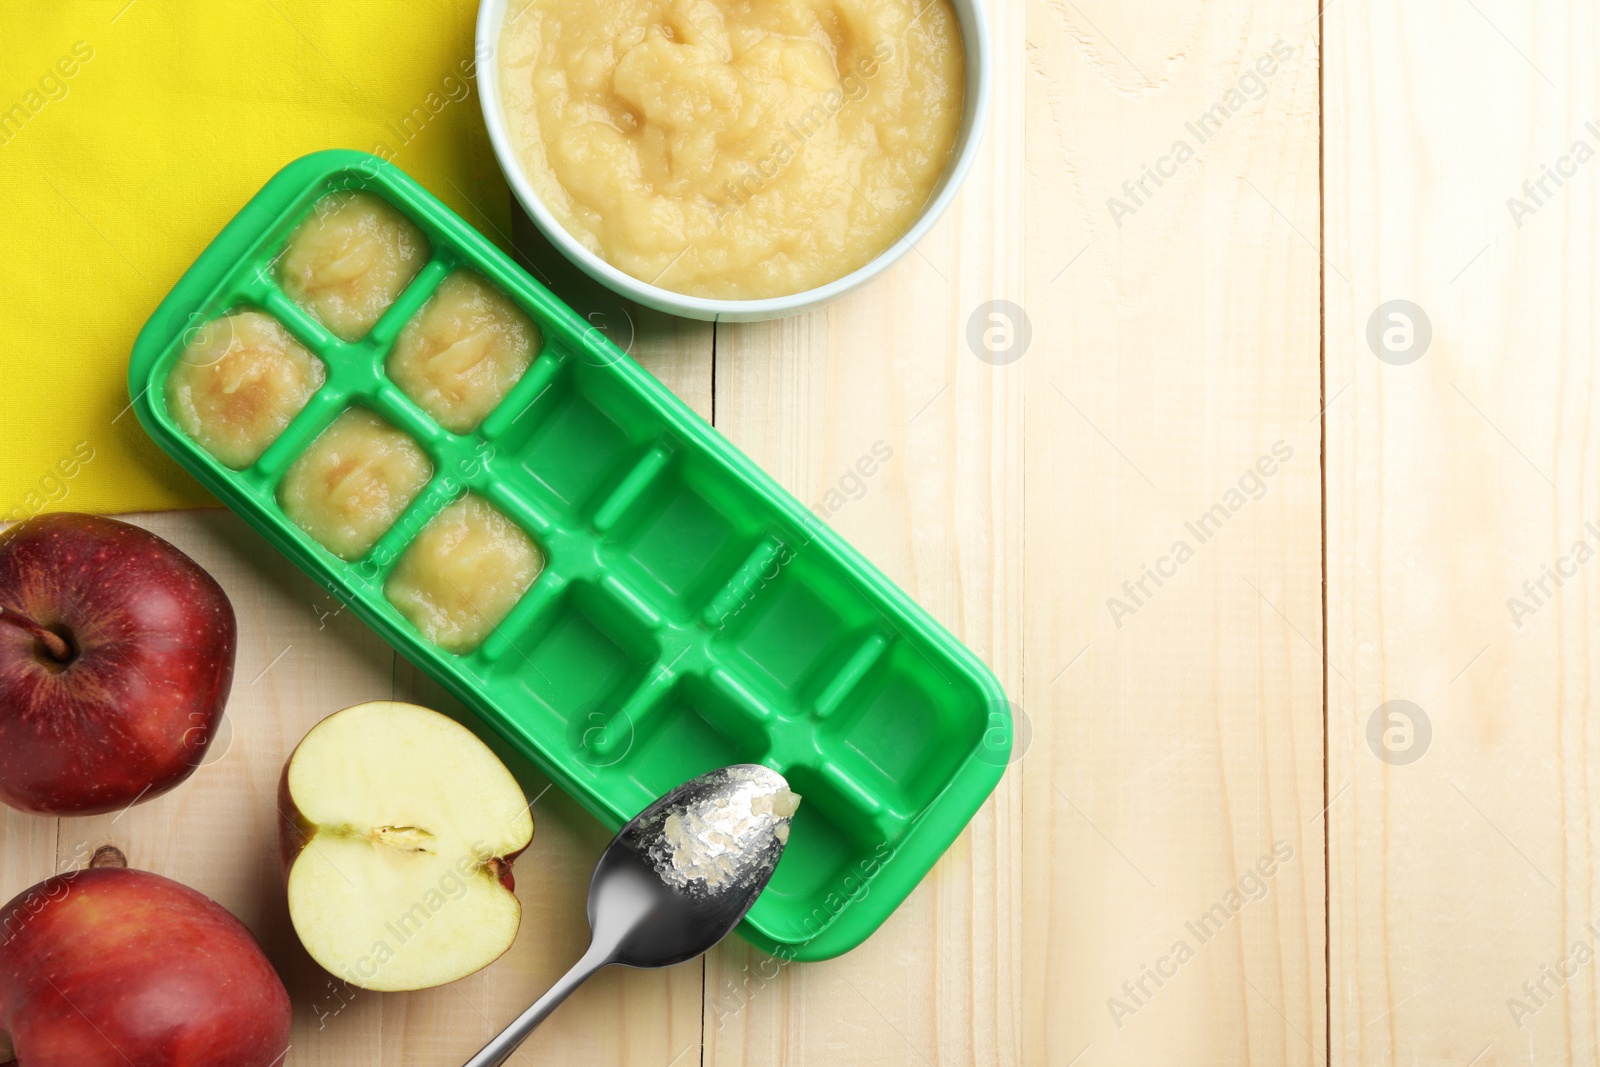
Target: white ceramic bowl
point(975, 38)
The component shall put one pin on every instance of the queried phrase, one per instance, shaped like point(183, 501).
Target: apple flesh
point(398, 831)
point(110, 967)
point(116, 656)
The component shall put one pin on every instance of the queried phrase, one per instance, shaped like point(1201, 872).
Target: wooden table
point(1260, 554)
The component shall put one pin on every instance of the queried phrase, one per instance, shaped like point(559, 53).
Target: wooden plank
point(1461, 465)
point(1177, 718)
point(887, 370)
point(28, 853)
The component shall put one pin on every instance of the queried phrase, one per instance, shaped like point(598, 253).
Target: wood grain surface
point(1462, 641)
point(1239, 415)
point(1170, 845)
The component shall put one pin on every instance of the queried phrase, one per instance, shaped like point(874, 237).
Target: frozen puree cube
point(463, 351)
point(240, 380)
point(353, 482)
point(463, 574)
point(349, 259)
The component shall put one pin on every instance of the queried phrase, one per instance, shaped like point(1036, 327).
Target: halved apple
point(398, 831)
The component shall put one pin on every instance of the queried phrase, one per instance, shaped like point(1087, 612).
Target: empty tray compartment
point(906, 726)
point(577, 440)
point(793, 628)
point(684, 534)
point(695, 730)
point(583, 656)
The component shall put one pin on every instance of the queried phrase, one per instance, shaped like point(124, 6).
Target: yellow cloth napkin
point(130, 133)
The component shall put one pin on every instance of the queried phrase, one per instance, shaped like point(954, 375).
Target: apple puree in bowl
point(349, 259)
point(463, 351)
point(353, 482)
point(727, 149)
point(239, 381)
point(463, 574)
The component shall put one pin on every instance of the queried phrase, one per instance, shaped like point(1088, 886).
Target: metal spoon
point(673, 882)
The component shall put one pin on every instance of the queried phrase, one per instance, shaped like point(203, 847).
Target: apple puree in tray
point(243, 377)
point(460, 355)
point(463, 574)
point(349, 260)
point(240, 380)
point(353, 482)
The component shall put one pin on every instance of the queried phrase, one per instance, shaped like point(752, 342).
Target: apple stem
point(53, 642)
point(107, 856)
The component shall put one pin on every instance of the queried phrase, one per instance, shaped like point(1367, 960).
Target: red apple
point(116, 967)
point(116, 655)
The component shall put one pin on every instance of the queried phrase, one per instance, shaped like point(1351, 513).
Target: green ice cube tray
point(691, 613)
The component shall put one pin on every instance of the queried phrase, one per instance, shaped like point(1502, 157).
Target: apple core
point(400, 833)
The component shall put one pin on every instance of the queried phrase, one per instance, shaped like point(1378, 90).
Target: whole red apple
point(116, 967)
point(116, 655)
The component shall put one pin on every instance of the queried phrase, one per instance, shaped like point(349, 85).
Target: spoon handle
point(500, 1048)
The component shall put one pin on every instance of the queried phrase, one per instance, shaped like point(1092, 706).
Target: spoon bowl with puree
point(674, 881)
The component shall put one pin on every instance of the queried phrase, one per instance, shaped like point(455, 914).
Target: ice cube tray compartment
point(690, 613)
